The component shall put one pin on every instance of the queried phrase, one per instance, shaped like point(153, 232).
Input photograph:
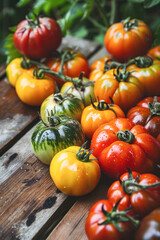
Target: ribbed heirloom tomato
point(36, 39)
point(120, 144)
point(140, 192)
point(128, 39)
point(154, 52)
point(71, 62)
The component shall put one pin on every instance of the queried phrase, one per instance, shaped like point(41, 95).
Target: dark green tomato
point(59, 103)
point(61, 132)
point(149, 227)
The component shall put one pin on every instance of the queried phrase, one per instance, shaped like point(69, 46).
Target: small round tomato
point(36, 39)
point(83, 89)
point(71, 62)
point(105, 222)
point(33, 91)
point(139, 192)
point(14, 69)
point(74, 171)
point(128, 39)
point(125, 89)
point(120, 144)
point(149, 227)
point(148, 73)
point(154, 52)
point(98, 113)
point(97, 68)
point(59, 103)
point(147, 114)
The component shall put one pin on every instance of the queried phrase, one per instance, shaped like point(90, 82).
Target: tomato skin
point(108, 231)
point(73, 176)
point(92, 118)
point(141, 201)
point(33, 91)
point(149, 227)
point(149, 77)
point(71, 68)
point(140, 114)
point(97, 68)
point(38, 41)
point(126, 93)
point(83, 93)
point(123, 43)
point(115, 155)
point(154, 52)
point(14, 70)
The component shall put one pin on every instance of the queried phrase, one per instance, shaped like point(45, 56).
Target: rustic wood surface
point(31, 207)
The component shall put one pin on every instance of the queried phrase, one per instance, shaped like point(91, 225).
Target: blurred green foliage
point(81, 18)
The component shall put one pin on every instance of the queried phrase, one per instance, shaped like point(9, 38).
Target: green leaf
point(22, 3)
point(151, 3)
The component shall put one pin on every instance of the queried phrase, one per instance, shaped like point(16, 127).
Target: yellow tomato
point(73, 171)
point(33, 91)
point(14, 70)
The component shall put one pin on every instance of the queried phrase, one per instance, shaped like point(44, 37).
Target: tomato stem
point(84, 154)
point(141, 62)
point(154, 109)
point(129, 23)
point(126, 136)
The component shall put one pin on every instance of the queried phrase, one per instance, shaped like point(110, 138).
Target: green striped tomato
point(61, 132)
point(59, 103)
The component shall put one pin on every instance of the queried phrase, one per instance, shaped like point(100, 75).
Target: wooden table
point(31, 207)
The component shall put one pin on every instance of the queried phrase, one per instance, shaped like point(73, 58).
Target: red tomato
point(136, 191)
point(105, 222)
point(74, 63)
point(36, 39)
point(120, 144)
point(154, 52)
point(128, 39)
point(98, 113)
point(147, 114)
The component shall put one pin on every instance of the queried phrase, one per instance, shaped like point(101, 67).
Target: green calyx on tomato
point(132, 185)
point(115, 217)
point(102, 105)
point(154, 108)
point(33, 23)
point(122, 75)
point(129, 23)
point(141, 62)
point(126, 136)
point(84, 154)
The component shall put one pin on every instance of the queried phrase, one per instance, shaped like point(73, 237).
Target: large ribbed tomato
point(36, 39)
point(128, 39)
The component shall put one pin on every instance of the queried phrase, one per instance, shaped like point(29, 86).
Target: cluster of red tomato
point(117, 108)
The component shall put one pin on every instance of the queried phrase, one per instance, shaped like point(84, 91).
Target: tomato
point(36, 39)
point(140, 192)
point(59, 103)
point(149, 227)
point(14, 69)
point(73, 63)
point(105, 222)
point(147, 114)
point(120, 144)
point(125, 89)
point(33, 91)
point(98, 113)
point(154, 52)
point(61, 132)
point(128, 39)
point(74, 171)
point(83, 89)
point(148, 73)
point(97, 68)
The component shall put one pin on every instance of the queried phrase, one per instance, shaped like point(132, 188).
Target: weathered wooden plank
point(16, 116)
point(28, 200)
point(72, 225)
